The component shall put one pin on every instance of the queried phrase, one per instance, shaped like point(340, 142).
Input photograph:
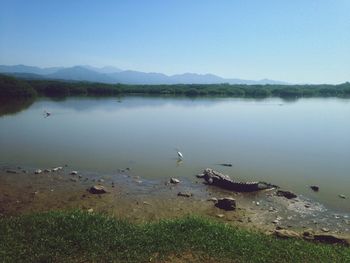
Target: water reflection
point(8, 106)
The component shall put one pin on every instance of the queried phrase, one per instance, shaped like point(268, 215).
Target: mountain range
point(112, 75)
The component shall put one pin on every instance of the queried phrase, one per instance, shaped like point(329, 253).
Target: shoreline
point(139, 200)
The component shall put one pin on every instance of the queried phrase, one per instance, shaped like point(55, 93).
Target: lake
point(293, 144)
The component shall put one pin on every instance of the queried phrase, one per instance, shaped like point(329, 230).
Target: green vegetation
point(14, 88)
point(82, 237)
point(11, 87)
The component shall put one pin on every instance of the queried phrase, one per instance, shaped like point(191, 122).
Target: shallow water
point(289, 143)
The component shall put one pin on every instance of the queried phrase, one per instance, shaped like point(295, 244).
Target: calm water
point(291, 144)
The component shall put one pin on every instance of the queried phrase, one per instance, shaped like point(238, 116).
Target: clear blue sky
point(292, 40)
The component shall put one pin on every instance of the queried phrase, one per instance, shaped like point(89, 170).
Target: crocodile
point(213, 177)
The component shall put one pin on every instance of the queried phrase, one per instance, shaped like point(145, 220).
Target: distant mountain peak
point(110, 74)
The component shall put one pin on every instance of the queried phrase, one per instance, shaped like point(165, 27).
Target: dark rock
point(226, 203)
point(97, 189)
point(286, 194)
point(185, 194)
point(11, 171)
point(315, 188)
point(73, 172)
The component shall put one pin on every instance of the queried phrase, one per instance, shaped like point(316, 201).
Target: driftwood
point(224, 181)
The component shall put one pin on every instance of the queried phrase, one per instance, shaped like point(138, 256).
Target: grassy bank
point(82, 237)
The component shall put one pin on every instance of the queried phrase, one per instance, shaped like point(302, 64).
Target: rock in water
point(342, 196)
point(315, 188)
point(73, 172)
point(11, 171)
point(174, 181)
point(226, 203)
point(97, 189)
point(38, 171)
point(286, 194)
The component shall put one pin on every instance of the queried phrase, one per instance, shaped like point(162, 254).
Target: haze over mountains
point(115, 75)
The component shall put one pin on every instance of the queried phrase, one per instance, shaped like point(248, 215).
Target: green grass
point(81, 237)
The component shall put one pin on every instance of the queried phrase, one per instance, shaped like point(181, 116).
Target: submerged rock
point(226, 164)
point(97, 189)
point(286, 194)
point(226, 203)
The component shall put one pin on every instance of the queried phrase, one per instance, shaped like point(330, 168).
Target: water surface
point(289, 143)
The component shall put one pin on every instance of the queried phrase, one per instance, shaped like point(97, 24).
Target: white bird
point(180, 155)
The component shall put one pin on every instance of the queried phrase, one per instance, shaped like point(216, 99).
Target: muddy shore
point(139, 200)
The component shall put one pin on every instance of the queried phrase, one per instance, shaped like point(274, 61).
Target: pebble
point(325, 229)
point(220, 215)
point(174, 181)
point(213, 199)
point(90, 210)
point(185, 194)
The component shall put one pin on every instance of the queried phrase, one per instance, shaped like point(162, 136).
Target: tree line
point(11, 87)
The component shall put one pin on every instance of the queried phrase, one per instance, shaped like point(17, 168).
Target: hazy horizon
point(296, 42)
